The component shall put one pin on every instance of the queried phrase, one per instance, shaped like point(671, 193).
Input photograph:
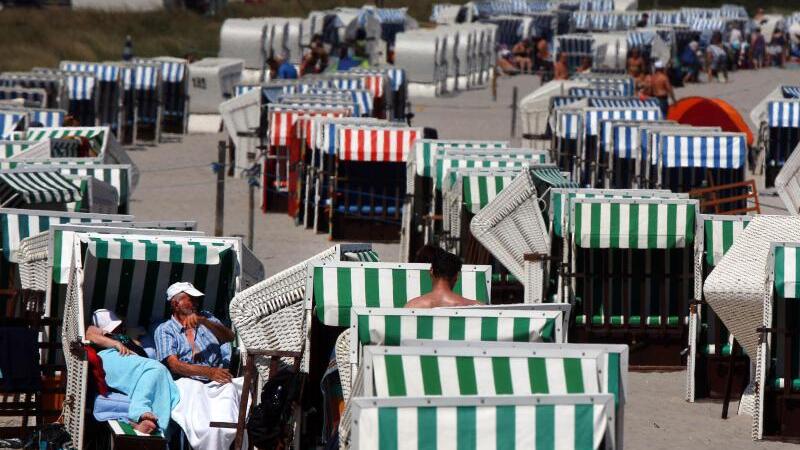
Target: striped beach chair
point(623, 142)
point(427, 369)
point(754, 302)
point(368, 179)
point(208, 262)
point(11, 121)
point(416, 230)
point(53, 85)
point(783, 129)
point(32, 98)
point(686, 160)
point(574, 421)
point(108, 89)
point(711, 345)
point(630, 269)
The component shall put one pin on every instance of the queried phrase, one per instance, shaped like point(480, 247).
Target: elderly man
point(195, 346)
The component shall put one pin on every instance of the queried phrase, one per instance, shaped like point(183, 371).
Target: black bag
point(53, 435)
point(269, 425)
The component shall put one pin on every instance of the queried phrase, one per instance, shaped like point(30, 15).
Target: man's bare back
point(439, 298)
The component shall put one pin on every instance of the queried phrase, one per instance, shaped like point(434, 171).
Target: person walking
point(127, 49)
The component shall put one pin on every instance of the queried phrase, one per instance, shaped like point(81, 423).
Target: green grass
point(43, 37)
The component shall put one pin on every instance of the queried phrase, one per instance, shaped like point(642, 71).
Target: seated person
point(146, 382)
point(505, 62)
point(195, 346)
point(522, 56)
point(445, 268)
point(586, 65)
point(635, 63)
point(561, 69)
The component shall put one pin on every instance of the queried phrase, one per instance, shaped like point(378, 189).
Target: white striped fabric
point(425, 151)
point(479, 190)
point(40, 186)
point(19, 224)
point(450, 163)
point(80, 87)
point(791, 92)
point(145, 77)
point(385, 144)
point(783, 114)
point(241, 89)
point(281, 125)
point(172, 71)
point(594, 116)
point(337, 288)
point(9, 120)
point(507, 422)
point(710, 151)
point(625, 139)
point(720, 233)
point(568, 124)
point(154, 248)
point(101, 71)
point(787, 271)
point(48, 117)
point(635, 224)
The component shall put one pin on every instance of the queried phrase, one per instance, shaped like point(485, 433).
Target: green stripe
point(467, 430)
point(371, 288)
point(467, 382)
point(584, 426)
point(396, 383)
point(489, 328)
point(548, 330)
point(363, 329)
point(424, 327)
point(481, 291)
point(431, 378)
point(426, 427)
point(507, 426)
point(613, 370)
point(596, 214)
point(537, 371)
point(545, 427)
point(392, 327)
point(126, 427)
point(573, 376)
point(652, 225)
point(672, 224)
point(780, 269)
point(501, 369)
point(344, 295)
point(399, 292)
point(387, 428)
point(522, 326)
point(633, 226)
point(614, 224)
point(456, 328)
point(578, 217)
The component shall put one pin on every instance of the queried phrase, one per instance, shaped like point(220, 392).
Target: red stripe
point(347, 140)
point(399, 138)
point(360, 150)
point(387, 147)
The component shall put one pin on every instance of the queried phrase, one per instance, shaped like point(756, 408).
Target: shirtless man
point(560, 69)
point(444, 274)
point(635, 63)
point(661, 87)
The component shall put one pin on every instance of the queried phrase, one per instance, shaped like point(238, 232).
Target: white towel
point(204, 403)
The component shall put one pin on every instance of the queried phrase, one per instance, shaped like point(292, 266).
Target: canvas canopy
point(633, 223)
point(783, 114)
point(713, 151)
point(720, 233)
point(366, 143)
point(35, 186)
point(424, 151)
point(333, 289)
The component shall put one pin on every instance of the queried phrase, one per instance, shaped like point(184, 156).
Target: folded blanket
point(204, 403)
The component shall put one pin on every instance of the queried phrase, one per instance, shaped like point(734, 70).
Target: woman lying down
point(148, 383)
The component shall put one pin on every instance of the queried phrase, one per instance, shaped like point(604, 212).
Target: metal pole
point(494, 85)
point(251, 214)
point(220, 207)
point(514, 113)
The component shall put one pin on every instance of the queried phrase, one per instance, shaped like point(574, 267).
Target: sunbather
point(146, 382)
point(195, 346)
point(445, 268)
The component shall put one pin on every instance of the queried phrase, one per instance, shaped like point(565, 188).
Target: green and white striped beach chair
point(630, 269)
point(502, 422)
point(270, 315)
point(334, 288)
point(129, 274)
point(392, 326)
point(427, 369)
point(424, 151)
point(708, 337)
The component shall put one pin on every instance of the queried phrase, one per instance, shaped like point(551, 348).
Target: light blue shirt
point(171, 339)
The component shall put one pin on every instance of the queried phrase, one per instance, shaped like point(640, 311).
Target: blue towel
point(112, 407)
point(146, 382)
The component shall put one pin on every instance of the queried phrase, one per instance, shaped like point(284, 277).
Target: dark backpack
point(269, 425)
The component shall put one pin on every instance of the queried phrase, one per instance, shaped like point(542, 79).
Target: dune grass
point(43, 37)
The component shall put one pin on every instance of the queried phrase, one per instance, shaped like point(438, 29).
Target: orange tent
point(708, 112)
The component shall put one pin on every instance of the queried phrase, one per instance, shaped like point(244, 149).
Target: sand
point(177, 183)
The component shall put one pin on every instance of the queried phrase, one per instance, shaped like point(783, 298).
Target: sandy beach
point(177, 183)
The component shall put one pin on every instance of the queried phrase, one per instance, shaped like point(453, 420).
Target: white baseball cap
point(658, 64)
point(182, 286)
point(106, 320)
